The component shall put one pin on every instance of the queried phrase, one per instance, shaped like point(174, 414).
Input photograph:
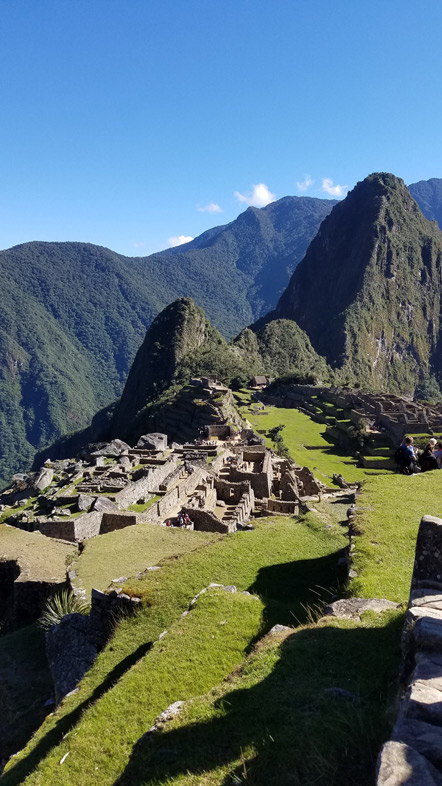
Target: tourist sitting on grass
point(406, 457)
point(437, 453)
point(427, 460)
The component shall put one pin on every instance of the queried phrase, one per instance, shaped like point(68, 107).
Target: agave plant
point(60, 604)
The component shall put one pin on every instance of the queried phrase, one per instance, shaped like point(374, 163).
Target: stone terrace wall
point(261, 482)
point(73, 530)
point(167, 503)
point(140, 488)
point(206, 521)
point(414, 753)
point(113, 521)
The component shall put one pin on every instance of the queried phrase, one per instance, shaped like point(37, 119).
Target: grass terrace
point(131, 550)
point(307, 443)
point(282, 560)
point(284, 717)
point(393, 506)
point(39, 558)
point(136, 508)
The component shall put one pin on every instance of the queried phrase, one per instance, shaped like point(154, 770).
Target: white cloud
point(259, 196)
point(212, 207)
point(179, 241)
point(306, 183)
point(329, 188)
point(141, 244)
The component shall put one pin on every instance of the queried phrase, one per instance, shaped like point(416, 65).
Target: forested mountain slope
point(368, 291)
point(73, 314)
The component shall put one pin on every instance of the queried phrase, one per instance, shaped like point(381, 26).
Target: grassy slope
point(299, 431)
point(278, 720)
point(280, 560)
point(39, 557)
point(385, 551)
point(129, 551)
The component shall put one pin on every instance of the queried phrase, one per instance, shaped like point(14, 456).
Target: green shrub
point(60, 604)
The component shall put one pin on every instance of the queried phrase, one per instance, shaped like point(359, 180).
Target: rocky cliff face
point(368, 291)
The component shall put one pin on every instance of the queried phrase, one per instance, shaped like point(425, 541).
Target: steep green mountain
point(180, 344)
point(428, 195)
point(368, 291)
point(74, 314)
point(257, 252)
point(281, 347)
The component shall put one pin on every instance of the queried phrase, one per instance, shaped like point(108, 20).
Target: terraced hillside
point(200, 688)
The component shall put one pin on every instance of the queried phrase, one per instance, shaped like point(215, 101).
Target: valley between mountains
point(206, 547)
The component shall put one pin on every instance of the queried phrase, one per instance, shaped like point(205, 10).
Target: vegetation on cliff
point(368, 291)
point(74, 314)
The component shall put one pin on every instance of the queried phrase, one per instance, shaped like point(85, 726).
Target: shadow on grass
point(319, 717)
point(24, 767)
point(289, 589)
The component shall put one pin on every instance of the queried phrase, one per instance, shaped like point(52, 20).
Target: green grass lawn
point(214, 637)
point(40, 558)
point(301, 431)
point(129, 551)
point(281, 561)
point(280, 720)
point(384, 554)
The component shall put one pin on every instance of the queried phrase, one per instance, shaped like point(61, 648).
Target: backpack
point(399, 456)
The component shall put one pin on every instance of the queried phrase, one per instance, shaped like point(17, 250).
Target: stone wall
point(113, 521)
point(261, 481)
point(73, 530)
point(414, 753)
point(149, 483)
point(287, 507)
point(206, 521)
point(167, 503)
point(231, 492)
point(221, 430)
point(188, 485)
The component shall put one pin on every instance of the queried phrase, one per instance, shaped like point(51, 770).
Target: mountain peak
point(370, 283)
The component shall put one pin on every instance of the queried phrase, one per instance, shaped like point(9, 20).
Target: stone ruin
point(220, 484)
point(414, 753)
point(395, 415)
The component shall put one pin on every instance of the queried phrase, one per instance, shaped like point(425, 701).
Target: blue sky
point(128, 122)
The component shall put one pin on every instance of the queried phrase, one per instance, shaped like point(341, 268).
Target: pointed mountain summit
point(368, 291)
point(180, 344)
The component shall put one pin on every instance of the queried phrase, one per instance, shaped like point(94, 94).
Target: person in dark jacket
point(427, 461)
point(406, 457)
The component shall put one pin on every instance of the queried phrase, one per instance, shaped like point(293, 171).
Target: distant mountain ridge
point(74, 314)
point(428, 195)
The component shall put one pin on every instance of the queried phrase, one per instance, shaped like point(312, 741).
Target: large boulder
point(154, 441)
point(103, 504)
point(43, 479)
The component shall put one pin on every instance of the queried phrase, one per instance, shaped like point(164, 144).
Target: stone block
point(400, 764)
point(428, 633)
point(423, 703)
point(428, 556)
point(103, 504)
point(352, 608)
point(423, 737)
